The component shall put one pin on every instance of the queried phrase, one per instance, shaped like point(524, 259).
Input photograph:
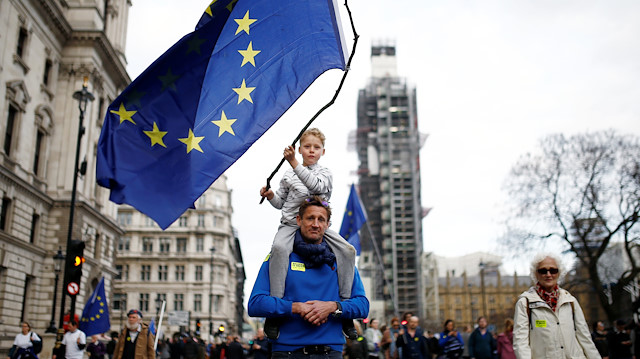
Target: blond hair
point(313, 132)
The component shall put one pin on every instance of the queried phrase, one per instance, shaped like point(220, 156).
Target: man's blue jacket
point(305, 284)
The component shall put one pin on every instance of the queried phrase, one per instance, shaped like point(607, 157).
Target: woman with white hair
point(548, 321)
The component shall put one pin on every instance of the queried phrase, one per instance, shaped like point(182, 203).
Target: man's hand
point(264, 192)
point(290, 155)
point(314, 311)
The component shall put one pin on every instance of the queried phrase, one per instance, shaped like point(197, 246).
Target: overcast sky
point(492, 78)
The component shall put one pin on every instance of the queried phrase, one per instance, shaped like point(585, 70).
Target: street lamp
point(84, 97)
point(213, 250)
point(58, 259)
point(482, 265)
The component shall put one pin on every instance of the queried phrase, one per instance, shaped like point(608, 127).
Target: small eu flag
point(189, 116)
point(354, 218)
point(95, 316)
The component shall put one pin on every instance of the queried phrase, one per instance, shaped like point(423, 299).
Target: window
point(197, 302)
point(217, 299)
point(119, 301)
point(48, 64)
point(4, 213)
point(202, 201)
point(182, 222)
point(147, 244)
point(217, 221)
point(217, 201)
point(145, 272)
point(179, 272)
point(178, 301)
point(123, 243)
point(198, 273)
point(9, 132)
point(162, 272)
point(181, 245)
point(125, 273)
point(199, 244)
point(35, 221)
point(119, 272)
point(23, 35)
point(38, 152)
point(165, 244)
point(124, 218)
point(144, 302)
point(458, 315)
point(200, 220)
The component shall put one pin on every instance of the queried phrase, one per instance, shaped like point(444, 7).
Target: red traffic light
point(404, 322)
point(365, 320)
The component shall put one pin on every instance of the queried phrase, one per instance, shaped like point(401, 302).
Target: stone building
point(195, 265)
point(47, 49)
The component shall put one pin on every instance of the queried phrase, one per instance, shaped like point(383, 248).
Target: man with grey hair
point(135, 341)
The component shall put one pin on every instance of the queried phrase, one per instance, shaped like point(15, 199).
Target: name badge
point(297, 266)
point(541, 323)
point(416, 339)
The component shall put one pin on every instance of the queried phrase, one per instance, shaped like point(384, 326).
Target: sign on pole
point(178, 317)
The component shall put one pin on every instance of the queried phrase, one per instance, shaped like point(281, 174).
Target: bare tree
point(584, 191)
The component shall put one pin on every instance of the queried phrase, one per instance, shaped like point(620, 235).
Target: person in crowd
point(299, 182)
point(465, 334)
point(260, 346)
point(620, 341)
point(175, 346)
point(135, 341)
point(96, 348)
point(111, 345)
point(374, 336)
point(481, 342)
point(26, 345)
point(357, 349)
point(190, 348)
point(311, 307)
point(394, 330)
point(74, 342)
point(385, 343)
point(548, 321)
point(505, 341)
point(599, 337)
point(450, 341)
point(432, 344)
point(234, 348)
point(412, 341)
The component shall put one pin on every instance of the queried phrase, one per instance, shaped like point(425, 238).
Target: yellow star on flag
point(231, 5)
point(244, 92)
point(225, 124)
point(244, 23)
point(156, 136)
point(208, 10)
point(101, 310)
point(124, 114)
point(192, 142)
point(249, 55)
point(98, 316)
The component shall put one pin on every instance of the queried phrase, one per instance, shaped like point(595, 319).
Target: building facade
point(490, 294)
point(48, 50)
point(388, 144)
point(195, 266)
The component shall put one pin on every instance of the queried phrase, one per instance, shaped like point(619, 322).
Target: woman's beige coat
point(546, 334)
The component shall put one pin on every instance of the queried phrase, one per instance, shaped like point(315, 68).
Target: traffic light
point(198, 326)
point(73, 266)
point(221, 329)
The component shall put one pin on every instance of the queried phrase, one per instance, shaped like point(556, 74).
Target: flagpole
point(155, 345)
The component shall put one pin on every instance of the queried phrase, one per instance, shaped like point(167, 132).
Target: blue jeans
point(334, 354)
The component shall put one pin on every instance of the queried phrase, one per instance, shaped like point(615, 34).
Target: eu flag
point(205, 101)
point(95, 316)
point(354, 218)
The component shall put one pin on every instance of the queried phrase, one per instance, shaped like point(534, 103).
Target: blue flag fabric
point(189, 116)
point(354, 218)
point(152, 326)
point(95, 316)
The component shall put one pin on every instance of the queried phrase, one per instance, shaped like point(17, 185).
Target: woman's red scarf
point(551, 298)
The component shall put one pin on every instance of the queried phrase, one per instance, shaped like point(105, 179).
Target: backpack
point(37, 344)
